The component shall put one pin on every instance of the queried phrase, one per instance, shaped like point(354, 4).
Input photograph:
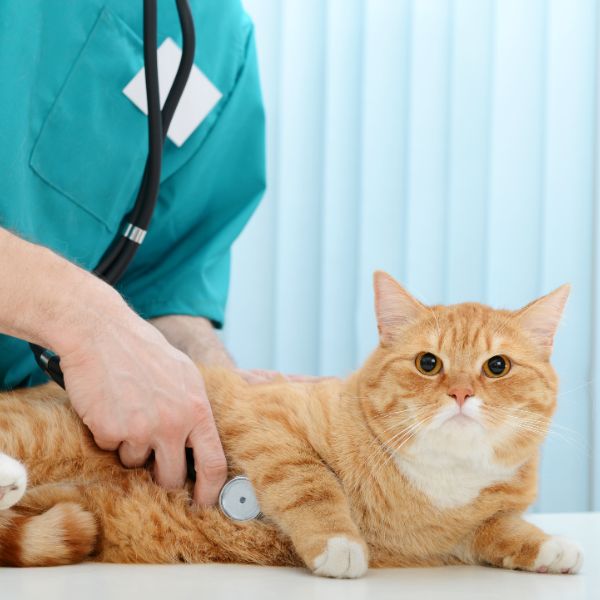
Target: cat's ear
point(394, 306)
point(540, 318)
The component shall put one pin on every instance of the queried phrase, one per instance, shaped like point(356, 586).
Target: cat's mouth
point(462, 418)
point(459, 416)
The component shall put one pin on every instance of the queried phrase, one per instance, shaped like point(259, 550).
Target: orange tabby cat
point(425, 456)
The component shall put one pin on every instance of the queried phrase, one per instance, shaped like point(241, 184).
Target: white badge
point(199, 96)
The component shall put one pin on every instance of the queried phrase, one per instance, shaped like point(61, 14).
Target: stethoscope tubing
point(117, 258)
point(119, 255)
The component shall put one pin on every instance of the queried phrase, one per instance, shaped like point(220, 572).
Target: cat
point(427, 455)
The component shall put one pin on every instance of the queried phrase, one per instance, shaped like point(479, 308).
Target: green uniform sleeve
point(183, 265)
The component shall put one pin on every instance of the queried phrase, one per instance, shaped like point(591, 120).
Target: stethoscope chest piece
point(238, 500)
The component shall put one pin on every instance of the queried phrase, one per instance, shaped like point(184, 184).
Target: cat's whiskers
point(390, 426)
point(501, 416)
point(530, 419)
point(376, 447)
point(531, 414)
point(414, 430)
point(536, 426)
point(526, 420)
point(578, 444)
point(384, 445)
point(531, 435)
point(397, 412)
point(404, 436)
point(575, 389)
point(538, 423)
point(375, 442)
point(408, 411)
point(381, 446)
point(411, 412)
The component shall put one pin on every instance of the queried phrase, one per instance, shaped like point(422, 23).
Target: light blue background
point(452, 143)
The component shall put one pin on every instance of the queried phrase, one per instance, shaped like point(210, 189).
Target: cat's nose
point(460, 394)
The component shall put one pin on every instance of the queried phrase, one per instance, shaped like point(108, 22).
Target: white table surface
point(235, 582)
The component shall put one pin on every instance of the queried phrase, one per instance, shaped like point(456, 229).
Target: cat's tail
point(64, 534)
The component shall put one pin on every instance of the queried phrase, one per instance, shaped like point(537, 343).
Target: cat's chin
point(462, 426)
point(460, 430)
point(463, 420)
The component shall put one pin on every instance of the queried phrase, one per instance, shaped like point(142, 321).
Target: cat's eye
point(497, 366)
point(428, 363)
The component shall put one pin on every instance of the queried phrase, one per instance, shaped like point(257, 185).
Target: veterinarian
point(71, 158)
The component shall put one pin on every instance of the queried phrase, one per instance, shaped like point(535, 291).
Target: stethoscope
point(237, 499)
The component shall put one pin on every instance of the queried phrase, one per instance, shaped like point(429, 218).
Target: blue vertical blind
point(451, 143)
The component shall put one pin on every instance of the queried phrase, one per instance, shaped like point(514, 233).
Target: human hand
point(138, 394)
point(133, 390)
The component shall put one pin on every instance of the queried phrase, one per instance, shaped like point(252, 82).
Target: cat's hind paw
point(13, 481)
point(558, 555)
point(343, 558)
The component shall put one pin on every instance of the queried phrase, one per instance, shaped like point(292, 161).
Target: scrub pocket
point(93, 143)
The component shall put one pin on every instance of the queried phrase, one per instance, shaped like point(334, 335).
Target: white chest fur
point(452, 465)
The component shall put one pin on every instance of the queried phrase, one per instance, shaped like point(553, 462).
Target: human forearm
point(134, 391)
point(48, 300)
point(196, 337)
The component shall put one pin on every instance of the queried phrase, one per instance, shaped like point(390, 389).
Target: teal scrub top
point(73, 149)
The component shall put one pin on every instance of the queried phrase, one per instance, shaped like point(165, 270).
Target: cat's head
point(463, 378)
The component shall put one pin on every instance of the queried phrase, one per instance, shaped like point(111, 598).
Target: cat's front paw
point(343, 558)
point(13, 481)
point(557, 555)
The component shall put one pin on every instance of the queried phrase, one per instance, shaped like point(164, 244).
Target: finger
point(132, 455)
point(170, 469)
point(104, 444)
point(209, 462)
